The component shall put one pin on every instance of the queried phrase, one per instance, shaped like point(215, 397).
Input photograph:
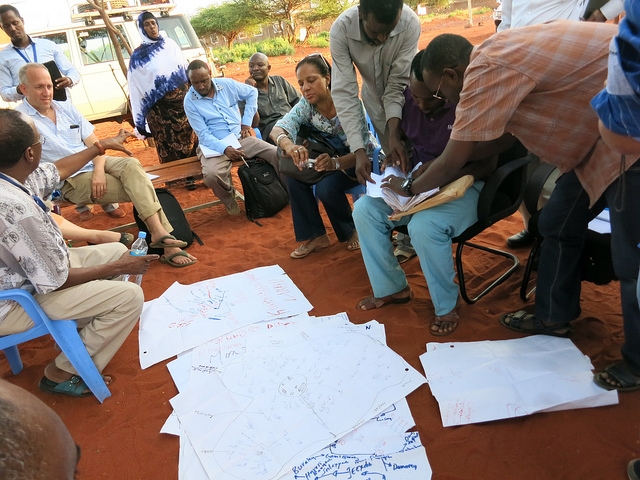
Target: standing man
point(523, 13)
point(24, 49)
point(379, 38)
point(212, 109)
point(533, 68)
point(276, 96)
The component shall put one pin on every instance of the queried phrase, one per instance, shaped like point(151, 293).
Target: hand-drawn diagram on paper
point(186, 316)
point(292, 393)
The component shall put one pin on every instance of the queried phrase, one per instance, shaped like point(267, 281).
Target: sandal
point(74, 387)
point(126, 239)
point(404, 253)
point(620, 377)
point(525, 322)
point(450, 318)
point(160, 243)
point(168, 259)
point(371, 302)
point(311, 246)
point(354, 242)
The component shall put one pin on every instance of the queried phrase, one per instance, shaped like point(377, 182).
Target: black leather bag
point(316, 144)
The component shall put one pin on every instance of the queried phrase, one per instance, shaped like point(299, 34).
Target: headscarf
point(156, 68)
point(618, 105)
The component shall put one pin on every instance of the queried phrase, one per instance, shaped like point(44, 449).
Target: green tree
point(282, 12)
point(228, 20)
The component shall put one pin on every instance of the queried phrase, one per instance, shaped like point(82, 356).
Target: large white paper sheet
point(186, 316)
point(408, 461)
point(289, 395)
point(482, 381)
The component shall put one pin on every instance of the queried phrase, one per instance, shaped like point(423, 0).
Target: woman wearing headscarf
point(157, 86)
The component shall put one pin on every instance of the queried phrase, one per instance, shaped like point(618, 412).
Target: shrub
point(243, 51)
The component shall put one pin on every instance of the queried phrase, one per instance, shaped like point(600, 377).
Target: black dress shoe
point(520, 240)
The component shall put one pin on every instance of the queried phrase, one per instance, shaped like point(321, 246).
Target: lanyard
point(36, 198)
point(24, 57)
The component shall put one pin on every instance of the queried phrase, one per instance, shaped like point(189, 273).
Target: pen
point(74, 126)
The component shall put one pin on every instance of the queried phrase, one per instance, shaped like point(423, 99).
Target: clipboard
point(54, 71)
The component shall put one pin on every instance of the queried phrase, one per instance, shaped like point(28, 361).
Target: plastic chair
point(500, 197)
point(65, 334)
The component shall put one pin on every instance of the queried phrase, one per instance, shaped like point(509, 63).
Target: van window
point(95, 45)
point(174, 28)
point(59, 39)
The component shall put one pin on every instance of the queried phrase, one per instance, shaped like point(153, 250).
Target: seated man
point(427, 120)
point(80, 283)
point(212, 109)
point(276, 96)
point(34, 441)
point(115, 179)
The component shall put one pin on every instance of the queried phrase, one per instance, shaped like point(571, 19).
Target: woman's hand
point(394, 183)
point(298, 154)
point(324, 163)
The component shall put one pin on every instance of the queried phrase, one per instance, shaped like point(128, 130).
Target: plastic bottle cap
point(142, 234)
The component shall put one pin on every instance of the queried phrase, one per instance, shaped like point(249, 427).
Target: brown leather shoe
point(85, 215)
point(117, 213)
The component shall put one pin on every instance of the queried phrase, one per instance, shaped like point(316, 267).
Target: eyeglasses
point(41, 140)
point(317, 54)
point(437, 94)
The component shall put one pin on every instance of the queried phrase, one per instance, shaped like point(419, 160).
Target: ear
point(451, 73)
point(23, 89)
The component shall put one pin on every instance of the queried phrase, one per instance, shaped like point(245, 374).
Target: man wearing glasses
point(537, 83)
point(379, 38)
point(80, 283)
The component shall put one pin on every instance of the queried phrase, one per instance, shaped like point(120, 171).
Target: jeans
point(307, 222)
point(431, 232)
point(563, 223)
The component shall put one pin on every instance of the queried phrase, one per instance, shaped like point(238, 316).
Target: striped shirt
point(537, 83)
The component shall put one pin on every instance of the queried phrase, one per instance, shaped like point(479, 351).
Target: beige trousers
point(106, 310)
point(216, 171)
point(126, 182)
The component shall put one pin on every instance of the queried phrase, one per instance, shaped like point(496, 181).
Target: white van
point(103, 90)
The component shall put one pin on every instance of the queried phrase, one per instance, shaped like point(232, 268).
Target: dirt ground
point(120, 439)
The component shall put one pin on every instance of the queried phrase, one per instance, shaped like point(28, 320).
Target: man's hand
point(398, 155)
point(234, 154)
point(63, 82)
point(363, 167)
point(132, 264)
point(246, 131)
point(98, 184)
point(394, 183)
point(117, 142)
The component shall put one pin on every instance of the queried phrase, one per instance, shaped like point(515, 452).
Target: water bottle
point(138, 248)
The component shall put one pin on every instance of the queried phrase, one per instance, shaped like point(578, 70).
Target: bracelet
point(99, 147)
point(335, 160)
point(280, 137)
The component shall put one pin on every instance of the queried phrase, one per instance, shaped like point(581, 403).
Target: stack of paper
point(399, 203)
point(288, 397)
point(481, 381)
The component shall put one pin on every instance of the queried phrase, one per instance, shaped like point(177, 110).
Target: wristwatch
point(406, 186)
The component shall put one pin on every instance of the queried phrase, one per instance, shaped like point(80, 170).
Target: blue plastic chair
point(65, 334)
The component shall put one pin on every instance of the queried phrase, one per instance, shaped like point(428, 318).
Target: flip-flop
point(161, 244)
point(388, 300)
point(168, 259)
point(304, 250)
point(525, 322)
point(74, 387)
point(619, 373)
point(353, 244)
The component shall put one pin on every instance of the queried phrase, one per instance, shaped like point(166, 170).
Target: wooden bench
point(166, 173)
